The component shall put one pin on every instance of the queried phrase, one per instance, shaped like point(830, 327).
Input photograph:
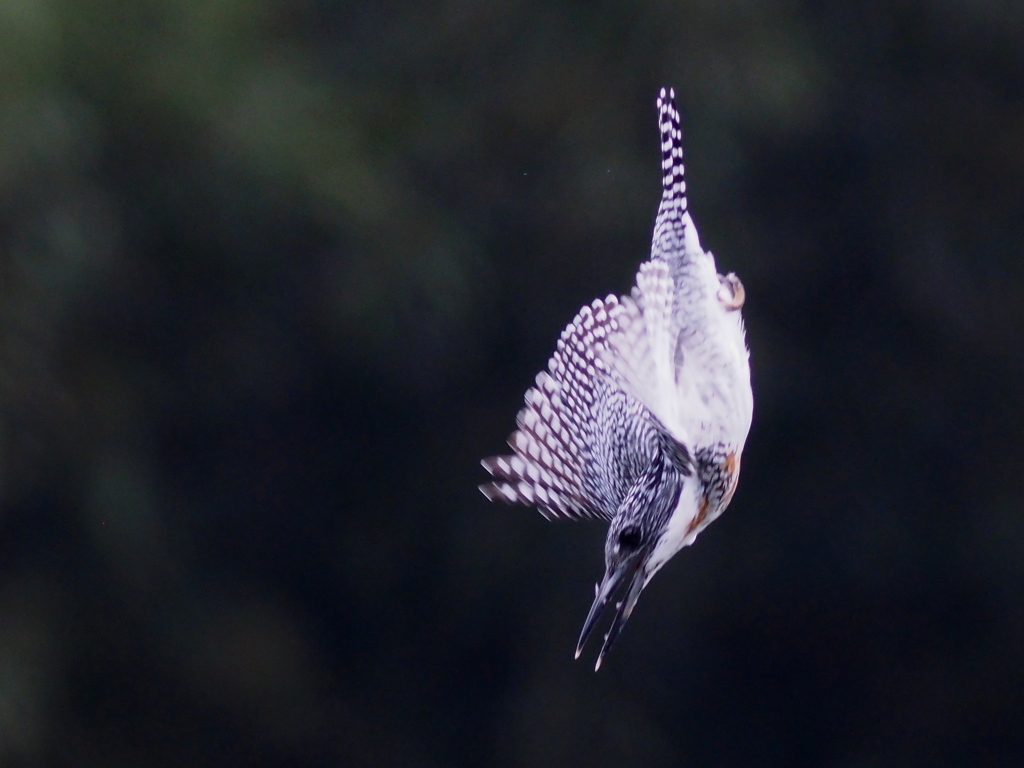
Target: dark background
point(274, 276)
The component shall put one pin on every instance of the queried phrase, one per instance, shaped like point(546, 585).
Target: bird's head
point(634, 548)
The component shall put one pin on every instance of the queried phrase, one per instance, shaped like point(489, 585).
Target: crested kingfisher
point(641, 416)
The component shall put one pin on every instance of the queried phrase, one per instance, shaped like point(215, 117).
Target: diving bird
point(641, 416)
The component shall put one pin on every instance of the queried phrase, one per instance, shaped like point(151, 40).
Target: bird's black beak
point(628, 570)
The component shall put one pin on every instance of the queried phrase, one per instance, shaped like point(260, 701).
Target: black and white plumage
point(645, 407)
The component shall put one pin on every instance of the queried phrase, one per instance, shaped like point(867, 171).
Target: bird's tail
point(675, 236)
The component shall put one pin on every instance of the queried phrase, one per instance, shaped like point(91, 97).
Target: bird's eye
point(629, 537)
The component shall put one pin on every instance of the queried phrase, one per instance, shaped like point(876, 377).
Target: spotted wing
point(561, 461)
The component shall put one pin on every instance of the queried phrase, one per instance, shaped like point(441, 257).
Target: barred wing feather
point(554, 465)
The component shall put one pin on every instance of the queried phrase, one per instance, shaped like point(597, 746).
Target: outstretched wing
point(571, 457)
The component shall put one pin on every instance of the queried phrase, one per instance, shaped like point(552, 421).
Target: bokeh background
point(275, 275)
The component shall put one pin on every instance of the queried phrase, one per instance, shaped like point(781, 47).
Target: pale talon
point(731, 294)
